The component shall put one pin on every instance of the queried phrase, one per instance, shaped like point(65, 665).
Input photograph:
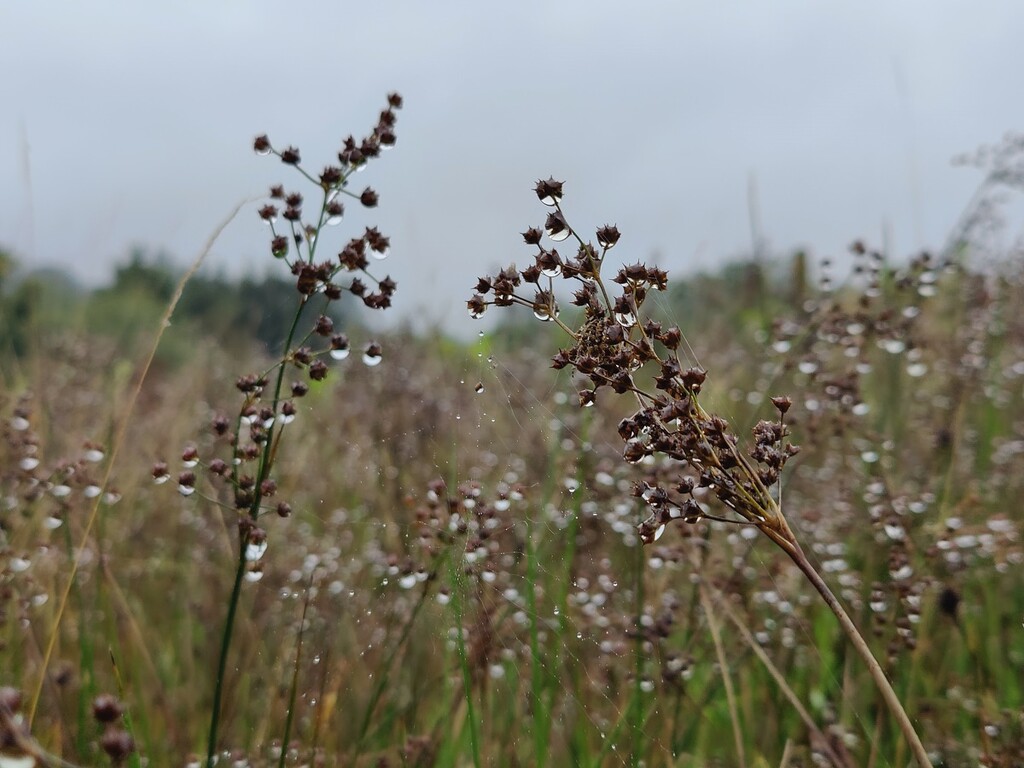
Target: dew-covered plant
point(237, 467)
point(616, 347)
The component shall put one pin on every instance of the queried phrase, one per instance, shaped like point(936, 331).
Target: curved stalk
point(787, 541)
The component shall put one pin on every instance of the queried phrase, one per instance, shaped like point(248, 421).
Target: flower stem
point(863, 650)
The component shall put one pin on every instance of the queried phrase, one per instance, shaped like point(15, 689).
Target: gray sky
point(131, 123)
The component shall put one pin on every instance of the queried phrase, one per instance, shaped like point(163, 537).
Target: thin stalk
point(243, 540)
point(467, 677)
point(730, 694)
point(295, 678)
point(225, 646)
point(860, 645)
point(540, 721)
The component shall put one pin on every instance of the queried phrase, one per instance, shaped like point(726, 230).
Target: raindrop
point(340, 354)
point(186, 490)
point(502, 505)
point(254, 575)
point(29, 463)
point(52, 523)
point(443, 598)
point(553, 271)
point(380, 254)
point(625, 319)
point(372, 359)
point(264, 149)
point(19, 564)
point(646, 685)
point(869, 457)
point(895, 531)
point(861, 409)
point(94, 455)
point(659, 532)
point(878, 605)
point(807, 366)
point(917, 370)
point(60, 491)
point(903, 572)
point(19, 423)
point(255, 550)
point(781, 346)
point(892, 346)
point(333, 221)
point(542, 314)
point(91, 491)
point(408, 581)
point(478, 388)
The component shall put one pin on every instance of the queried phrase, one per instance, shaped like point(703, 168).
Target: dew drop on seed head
point(381, 254)
point(333, 221)
point(52, 523)
point(372, 360)
point(29, 463)
point(340, 354)
point(559, 236)
point(659, 532)
point(478, 388)
point(254, 575)
point(255, 550)
point(542, 314)
point(476, 314)
point(408, 581)
point(186, 490)
point(625, 319)
point(554, 271)
point(917, 370)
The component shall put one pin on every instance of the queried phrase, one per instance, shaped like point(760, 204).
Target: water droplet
point(553, 271)
point(92, 491)
point(253, 575)
point(340, 354)
point(94, 455)
point(190, 463)
point(658, 532)
point(371, 359)
point(560, 235)
point(917, 370)
point(186, 490)
point(878, 606)
point(869, 457)
point(61, 491)
point(19, 564)
point(895, 531)
point(381, 254)
point(625, 319)
point(646, 685)
point(443, 598)
point(52, 523)
point(19, 423)
point(861, 409)
point(333, 221)
point(408, 581)
point(478, 388)
point(29, 463)
point(892, 346)
point(807, 366)
point(255, 550)
point(903, 572)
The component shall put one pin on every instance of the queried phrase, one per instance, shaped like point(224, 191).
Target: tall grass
point(462, 578)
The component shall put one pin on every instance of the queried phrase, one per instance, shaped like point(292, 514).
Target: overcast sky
point(132, 123)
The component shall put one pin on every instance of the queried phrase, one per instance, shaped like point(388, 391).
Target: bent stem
point(784, 538)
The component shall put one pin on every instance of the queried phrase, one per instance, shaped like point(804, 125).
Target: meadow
point(571, 540)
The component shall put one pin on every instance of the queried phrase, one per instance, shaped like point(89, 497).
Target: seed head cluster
point(614, 347)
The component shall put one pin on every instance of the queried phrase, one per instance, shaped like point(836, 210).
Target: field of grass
point(440, 560)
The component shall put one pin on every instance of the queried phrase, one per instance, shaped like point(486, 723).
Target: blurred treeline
point(247, 314)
